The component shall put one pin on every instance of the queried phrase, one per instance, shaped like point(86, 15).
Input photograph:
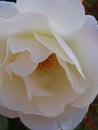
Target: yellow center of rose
point(47, 64)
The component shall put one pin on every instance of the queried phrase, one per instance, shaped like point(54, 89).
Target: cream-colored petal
point(8, 9)
point(4, 76)
point(21, 42)
point(8, 113)
point(65, 16)
point(87, 98)
point(53, 80)
point(35, 122)
point(50, 106)
point(68, 120)
point(14, 97)
point(52, 45)
point(69, 52)
point(79, 84)
point(71, 117)
point(22, 65)
point(3, 50)
point(33, 90)
point(25, 22)
point(85, 46)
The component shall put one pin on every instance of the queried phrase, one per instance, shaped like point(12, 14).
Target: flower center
point(47, 64)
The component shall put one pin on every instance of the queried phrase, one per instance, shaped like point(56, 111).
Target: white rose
point(48, 62)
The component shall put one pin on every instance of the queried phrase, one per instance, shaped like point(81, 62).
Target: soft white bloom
point(48, 62)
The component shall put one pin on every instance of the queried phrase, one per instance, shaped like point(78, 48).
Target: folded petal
point(14, 97)
point(85, 46)
point(8, 9)
point(79, 84)
point(54, 81)
point(33, 89)
point(53, 45)
point(8, 113)
point(26, 42)
point(65, 16)
point(68, 120)
point(69, 52)
point(22, 65)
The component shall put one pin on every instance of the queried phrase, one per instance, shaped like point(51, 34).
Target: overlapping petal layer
point(48, 62)
point(85, 45)
point(68, 120)
point(65, 16)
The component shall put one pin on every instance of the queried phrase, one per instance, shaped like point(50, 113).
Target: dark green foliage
point(9, 0)
point(91, 1)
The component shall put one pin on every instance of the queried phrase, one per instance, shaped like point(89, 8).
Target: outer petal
point(8, 113)
point(85, 46)
point(65, 16)
point(24, 22)
point(66, 121)
point(86, 98)
point(72, 117)
point(8, 9)
point(35, 122)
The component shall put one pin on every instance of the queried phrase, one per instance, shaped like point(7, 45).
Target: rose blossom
point(48, 62)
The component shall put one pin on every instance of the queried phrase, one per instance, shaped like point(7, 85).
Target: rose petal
point(14, 97)
point(8, 9)
point(69, 52)
point(79, 84)
point(72, 117)
point(4, 76)
point(52, 45)
point(67, 120)
point(53, 80)
point(22, 65)
point(25, 22)
point(33, 90)
point(87, 98)
point(35, 122)
point(3, 51)
point(20, 43)
point(65, 16)
point(85, 46)
point(51, 106)
point(8, 113)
